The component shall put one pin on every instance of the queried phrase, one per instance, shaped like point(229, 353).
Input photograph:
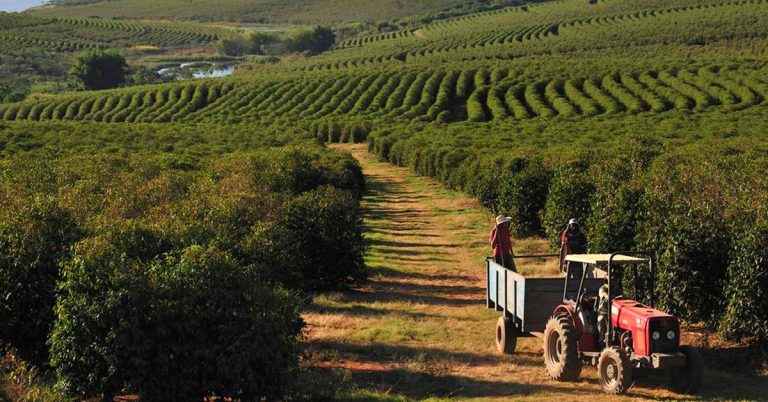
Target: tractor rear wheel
point(687, 379)
point(614, 370)
point(506, 337)
point(561, 349)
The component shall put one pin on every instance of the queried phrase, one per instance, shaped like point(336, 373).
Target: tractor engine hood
point(642, 321)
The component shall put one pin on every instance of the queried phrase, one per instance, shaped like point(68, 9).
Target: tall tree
point(98, 69)
point(316, 40)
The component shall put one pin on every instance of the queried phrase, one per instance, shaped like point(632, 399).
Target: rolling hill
point(292, 11)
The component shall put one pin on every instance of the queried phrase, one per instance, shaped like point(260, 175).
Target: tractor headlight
point(671, 335)
point(656, 335)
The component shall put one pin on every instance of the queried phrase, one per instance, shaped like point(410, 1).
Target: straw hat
point(501, 219)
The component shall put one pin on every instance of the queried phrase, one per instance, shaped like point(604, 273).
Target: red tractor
point(588, 319)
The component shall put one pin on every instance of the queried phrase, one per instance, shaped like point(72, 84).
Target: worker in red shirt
point(501, 241)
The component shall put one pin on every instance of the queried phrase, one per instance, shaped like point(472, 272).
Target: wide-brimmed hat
point(501, 219)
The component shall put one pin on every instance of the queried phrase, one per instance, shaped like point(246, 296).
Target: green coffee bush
point(570, 196)
point(515, 97)
point(476, 105)
point(35, 237)
point(686, 228)
point(746, 291)
point(535, 99)
point(319, 236)
point(523, 191)
point(146, 328)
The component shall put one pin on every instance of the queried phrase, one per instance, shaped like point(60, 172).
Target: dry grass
point(419, 330)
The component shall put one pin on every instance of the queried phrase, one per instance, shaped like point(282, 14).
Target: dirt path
point(419, 328)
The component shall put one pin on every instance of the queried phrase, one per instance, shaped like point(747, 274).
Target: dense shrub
point(99, 69)
point(34, 238)
point(294, 171)
point(523, 191)
point(320, 235)
point(171, 295)
point(483, 176)
point(318, 39)
point(570, 196)
point(188, 325)
point(686, 227)
point(746, 292)
point(616, 215)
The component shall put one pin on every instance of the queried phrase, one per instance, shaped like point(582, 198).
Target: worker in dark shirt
point(572, 241)
point(501, 241)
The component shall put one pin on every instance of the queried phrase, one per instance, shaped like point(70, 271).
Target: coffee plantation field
point(293, 11)
point(646, 119)
point(19, 32)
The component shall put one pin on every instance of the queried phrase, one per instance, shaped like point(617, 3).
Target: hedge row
point(692, 206)
point(169, 275)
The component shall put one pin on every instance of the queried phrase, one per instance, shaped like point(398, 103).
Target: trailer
point(525, 303)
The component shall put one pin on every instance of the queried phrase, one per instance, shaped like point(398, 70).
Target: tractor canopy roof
point(602, 259)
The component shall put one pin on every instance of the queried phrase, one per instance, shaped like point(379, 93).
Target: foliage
point(122, 327)
point(569, 196)
point(316, 40)
point(523, 191)
point(291, 11)
point(250, 43)
point(746, 311)
point(34, 237)
point(320, 234)
point(646, 120)
point(100, 69)
point(172, 234)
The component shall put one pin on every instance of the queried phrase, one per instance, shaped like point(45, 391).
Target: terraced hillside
point(298, 11)
point(19, 32)
point(542, 61)
point(443, 95)
point(536, 30)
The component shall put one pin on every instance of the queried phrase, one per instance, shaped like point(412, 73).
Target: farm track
point(419, 328)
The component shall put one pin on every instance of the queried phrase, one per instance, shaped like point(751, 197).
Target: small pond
point(198, 70)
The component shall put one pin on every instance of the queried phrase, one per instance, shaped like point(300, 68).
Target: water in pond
point(19, 5)
point(198, 70)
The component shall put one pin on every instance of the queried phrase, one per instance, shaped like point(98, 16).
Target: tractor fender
point(577, 324)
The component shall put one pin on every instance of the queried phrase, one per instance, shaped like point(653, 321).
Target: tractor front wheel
point(687, 379)
point(614, 371)
point(560, 349)
point(506, 339)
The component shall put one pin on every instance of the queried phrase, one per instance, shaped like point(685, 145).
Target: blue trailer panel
point(529, 302)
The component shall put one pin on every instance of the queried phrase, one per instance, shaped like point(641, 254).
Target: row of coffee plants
point(673, 185)
point(408, 95)
point(553, 29)
point(120, 245)
point(20, 32)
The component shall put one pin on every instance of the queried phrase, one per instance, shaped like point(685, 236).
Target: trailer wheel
point(614, 371)
point(560, 349)
point(687, 379)
point(506, 337)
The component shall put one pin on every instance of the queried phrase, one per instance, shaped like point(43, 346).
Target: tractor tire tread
point(506, 337)
point(625, 374)
point(569, 368)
